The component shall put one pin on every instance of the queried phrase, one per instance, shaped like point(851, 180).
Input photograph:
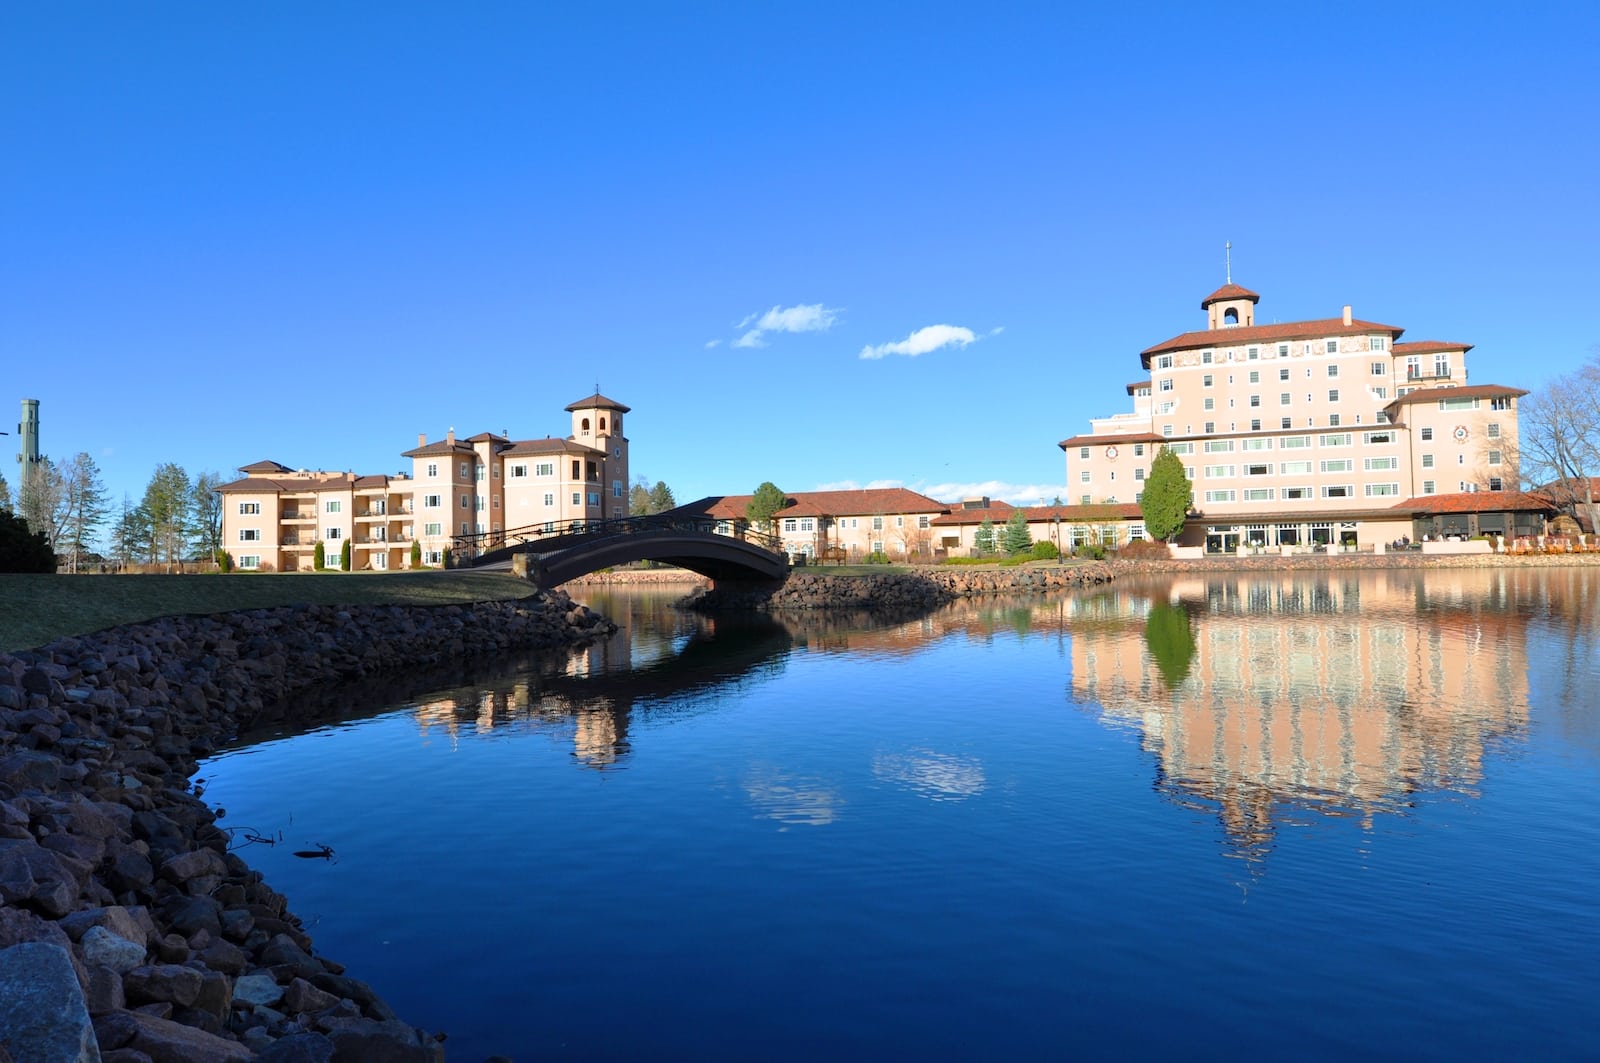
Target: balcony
point(1438, 372)
point(297, 514)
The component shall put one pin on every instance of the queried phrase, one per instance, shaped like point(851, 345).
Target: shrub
point(877, 557)
point(968, 561)
point(1045, 550)
point(1092, 552)
point(344, 556)
point(445, 557)
point(416, 553)
point(319, 557)
point(22, 550)
point(224, 560)
point(1144, 550)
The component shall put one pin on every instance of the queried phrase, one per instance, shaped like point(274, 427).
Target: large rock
point(165, 1041)
point(34, 877)
point(163, 983)
point(43, 1015)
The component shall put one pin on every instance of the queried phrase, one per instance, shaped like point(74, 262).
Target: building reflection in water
point(1273, 696)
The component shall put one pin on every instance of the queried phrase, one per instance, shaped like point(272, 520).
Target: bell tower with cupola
point(1230, 306)
point(597, 423)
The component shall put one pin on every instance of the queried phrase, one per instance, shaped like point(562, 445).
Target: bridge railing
point(465, 548)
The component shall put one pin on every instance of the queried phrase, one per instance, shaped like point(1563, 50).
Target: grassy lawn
point(34, 609)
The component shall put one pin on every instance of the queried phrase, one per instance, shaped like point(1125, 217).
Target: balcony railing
point(1438, 372)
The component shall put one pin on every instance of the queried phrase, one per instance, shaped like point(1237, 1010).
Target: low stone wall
point(894, 591)
point(127, 927)
point(1408, 559)
point(637, 577)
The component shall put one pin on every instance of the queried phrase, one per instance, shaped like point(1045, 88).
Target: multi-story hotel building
point(1301, 433)
point(273, 518)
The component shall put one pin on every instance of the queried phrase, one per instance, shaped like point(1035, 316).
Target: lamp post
point(1057, 522)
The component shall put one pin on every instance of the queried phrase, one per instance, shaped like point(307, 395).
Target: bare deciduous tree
point(1558, 447)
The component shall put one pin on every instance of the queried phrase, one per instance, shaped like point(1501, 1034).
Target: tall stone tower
point(27, 440)
point(597, 423)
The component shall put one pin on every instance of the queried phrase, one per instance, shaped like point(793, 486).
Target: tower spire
point(1227, 258)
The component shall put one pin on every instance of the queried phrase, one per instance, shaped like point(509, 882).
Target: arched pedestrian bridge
point(558, 551)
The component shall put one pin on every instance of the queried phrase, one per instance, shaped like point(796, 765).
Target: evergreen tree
point(23, 549)
point(1165, 502)
point(207, 514)
point(319, 556)
point(5, 495)
point(764, 505)
point(983, 540)
point(416, 553)
point(1017, 538)
point(169, 504)
point(130, 533)
point(661, 498)
point(345, 553)
point(639, 498)
point(84, 507)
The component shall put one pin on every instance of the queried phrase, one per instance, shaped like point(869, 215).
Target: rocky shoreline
point(896, 591)
point(128, 930)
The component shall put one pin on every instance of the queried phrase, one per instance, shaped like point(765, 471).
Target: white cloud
point(750, 339)
point(713, 343)
point(923, 341)
point(813, 317)
point(856, 485)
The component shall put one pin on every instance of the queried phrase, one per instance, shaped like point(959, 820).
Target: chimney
point(450, 437)
point(1347, 315)
point(422, 439)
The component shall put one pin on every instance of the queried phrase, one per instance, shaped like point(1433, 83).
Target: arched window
point(602, 424)
point(1230, 316)
point(584, 425)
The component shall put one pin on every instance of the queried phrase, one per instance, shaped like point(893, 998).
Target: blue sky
point(309, 232)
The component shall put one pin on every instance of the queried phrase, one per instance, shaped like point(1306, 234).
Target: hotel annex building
point(1325, 432)
point(273, 518)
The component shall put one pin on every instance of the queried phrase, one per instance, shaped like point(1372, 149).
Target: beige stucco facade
point(1300, 432)
point(458, 490)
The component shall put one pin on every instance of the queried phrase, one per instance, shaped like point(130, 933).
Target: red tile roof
point(548, 445)
point(1229, 291)
point(273, 485)
point(1110, 440)
point(264, 466)
point(1136, 385)
point(1291, 330)
point(1468, 391)
point(598, 399)
point(858, 503)
point(1001, 512)
point(1429, 347)
point(443, 446)
point(1477, 502)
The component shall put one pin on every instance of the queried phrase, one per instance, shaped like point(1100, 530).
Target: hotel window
point(430, 501)
point(549, 498)
point(518, 471)
point(1138, 448)
point(433, 528)
point(1380, 393)
point(1258, 470)
point(1253, 353)
point(334, 506)
point(1166, 407)
point(1494, 430)
point(577, 498)
point(1283, 398)
point(1083, 477)
point(496, 501)
point(1166, 384)
point(481, 505)
point(1284, 422)
point(1496, 484)
point(594, 498)
point(1255, 400)
point(545, 468)
point(1182, 448)
point(1205, 357)
point(1427, 434)
point(1380, 464)
point(1380, 369)
point(1210, 403)
point(1220, 496)
point(1219, 446)
point(577, 469)
point(1166, 429)
point(1494, 457)
point(433, 468)
point(877, 524)
point(465, 470)
point(616, 488)
point(1258, 494)
point(1380, 417)
point(249, 535)
point(1210, 427)
point(1333, 370)
point(807, 524)
point(463, 501)
point(250, 561)
point(1255, 376)
point(333, 533)
point(1255, 444)
point(1382, 490)
point(1294, 468)
point(1293, 494)
point(1338, 491)
point(1377, 343)
point(1283, 352)
point(1083, 500)
point(1206, 381)
point(250, 509)
point(1500, 402)
point(1331, 347)
point(1338, 439)
point(1255, 424)
point(1283, 374)
point(790, 524)
point(1333, 394)
point(1083, 453)
point(1375, 438)
point(1333, 420)
point(1427, 461)
point(1428, 487)
point(1164, 361)
point(1138, 474)
point(922, 522)
point(1337, 465)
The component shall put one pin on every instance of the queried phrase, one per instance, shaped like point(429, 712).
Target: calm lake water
point(1288, 816)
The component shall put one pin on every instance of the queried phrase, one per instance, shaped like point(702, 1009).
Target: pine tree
point(983, 540)
point(169, 503)
point(1017, 538)
point(661, 498)
point(1165, 502)
point(764, 505)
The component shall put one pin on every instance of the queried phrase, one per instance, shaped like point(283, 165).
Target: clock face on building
point(1461, 433)
point(1111, 452)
